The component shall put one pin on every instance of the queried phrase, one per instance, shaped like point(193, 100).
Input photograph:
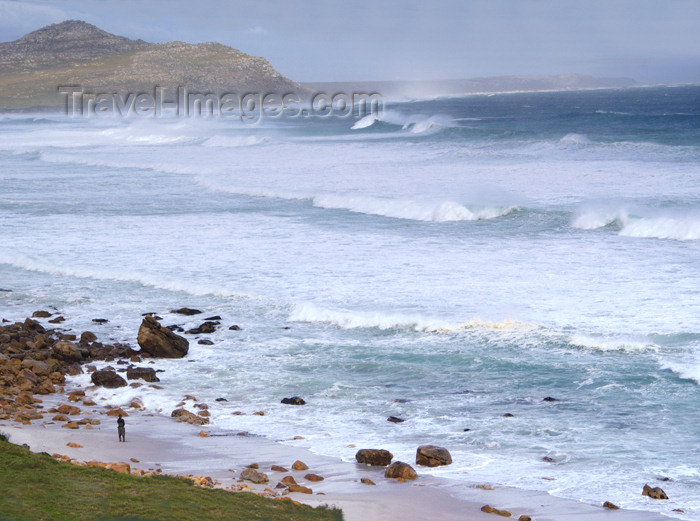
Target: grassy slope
point(36, 487)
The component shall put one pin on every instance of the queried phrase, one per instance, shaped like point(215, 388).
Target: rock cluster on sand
point(159, 341)
point(35, 360)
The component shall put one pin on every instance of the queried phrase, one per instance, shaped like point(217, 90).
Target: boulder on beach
point(144, 373)
point(374, 457)
point(294, 400)
point(108, 379)
point(432, 456)
point(299, 465)
point(188, 417)
point(400, 470)
point(158, 341)
point(254, 476)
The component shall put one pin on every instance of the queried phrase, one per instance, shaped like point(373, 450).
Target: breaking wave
point(408, 209)
point(307, 312)
point(412, 123)
point(680, 226)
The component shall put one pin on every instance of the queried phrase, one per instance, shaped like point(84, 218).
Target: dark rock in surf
point(205, 342)
point(143, 373)
point(108, 379)
point(206, 328)
point(234, 328)
point(215, 317)
point(394, 419)
point(654, 493)
point(549, 399)
point(100, 320)
point(186, 311)
point(158, 341)
point(41, 314)
point(294, 400)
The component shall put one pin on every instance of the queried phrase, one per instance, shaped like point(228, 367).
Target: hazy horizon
point(315, 41)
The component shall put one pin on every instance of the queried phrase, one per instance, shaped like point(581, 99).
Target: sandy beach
point(157, 442)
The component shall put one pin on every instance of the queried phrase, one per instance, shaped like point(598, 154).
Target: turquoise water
point(466, 256)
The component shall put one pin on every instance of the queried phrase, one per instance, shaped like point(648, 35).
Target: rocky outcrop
point(374, 457)
point(107, 378)
point(186, 311)
point(400, 470)
point(160, 342)
point(432, 456)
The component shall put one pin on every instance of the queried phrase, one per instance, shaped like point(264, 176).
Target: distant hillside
point(78, 53)
point(430, 88)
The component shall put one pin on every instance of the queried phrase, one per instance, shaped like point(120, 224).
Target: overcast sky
point(328, 40)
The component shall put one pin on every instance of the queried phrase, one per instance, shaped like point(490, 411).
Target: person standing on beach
point(120, 428)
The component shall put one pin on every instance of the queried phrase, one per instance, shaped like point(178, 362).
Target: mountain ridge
point(75, 52)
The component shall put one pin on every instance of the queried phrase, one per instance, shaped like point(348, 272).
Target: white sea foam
point(145, 279)
point(235, 141)
point(687, 371)
point(574, 139)
point(410, 209)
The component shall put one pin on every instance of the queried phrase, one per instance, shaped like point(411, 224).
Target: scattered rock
point(294, 400)
point(64, 408)
point(549, 399)
point(288, 480)
point(394, 419)
point(215, 317)
point(299, 465)
point(524, 518)
point(547, 459)
point(221, 400)
point(259, 413)
point(313, 477)
point(205, 342)
point(400, 470)
point(654, 493)
point(234, 328)
point(252, 466)
point(254, 476)
point(367, 481)
point(158, 341)
point(74, 445)
point(144, 373)
point(100, 320)
point(108, 379)
point(70, 425)
point(60, 418)
point(508, 415)
point(490, 510)
point(117, 412)
point(610, 506)
point(432, 456)
point(186, 311)
point(374, 457)
point(59, 319)
point(485, 487)
point(203, 434)
point(277, 468)
point(67, 351)
point(41, 314)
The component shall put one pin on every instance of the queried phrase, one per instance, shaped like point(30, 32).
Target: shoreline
point(154, 444)
point(158, 442)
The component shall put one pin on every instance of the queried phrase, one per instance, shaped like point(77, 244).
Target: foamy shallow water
point(470, 256)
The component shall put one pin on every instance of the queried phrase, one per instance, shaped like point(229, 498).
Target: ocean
point(449, 262)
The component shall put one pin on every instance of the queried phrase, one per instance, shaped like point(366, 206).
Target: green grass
point(36, 487)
